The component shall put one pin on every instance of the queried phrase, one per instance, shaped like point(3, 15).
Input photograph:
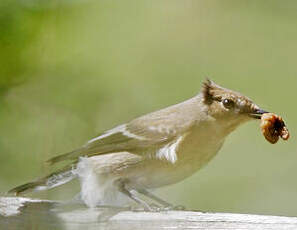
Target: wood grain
point(25, 213)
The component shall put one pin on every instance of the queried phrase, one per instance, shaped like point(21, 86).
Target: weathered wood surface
point(24, 213)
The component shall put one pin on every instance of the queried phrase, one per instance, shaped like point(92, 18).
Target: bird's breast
point(199, 146)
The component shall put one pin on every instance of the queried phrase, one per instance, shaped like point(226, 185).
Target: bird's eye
point(228, 103)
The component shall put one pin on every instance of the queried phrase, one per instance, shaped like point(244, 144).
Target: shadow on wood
point(25, 214)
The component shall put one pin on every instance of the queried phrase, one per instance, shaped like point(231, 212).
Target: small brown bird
point(154, 150)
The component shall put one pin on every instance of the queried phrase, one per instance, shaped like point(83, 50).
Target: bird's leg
point(121, 185)
point(154, 197)
point(165, 204)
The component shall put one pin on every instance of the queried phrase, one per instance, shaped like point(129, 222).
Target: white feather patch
point(97, 188)
point(91, 186)
point(119, 129)
point(168, 152)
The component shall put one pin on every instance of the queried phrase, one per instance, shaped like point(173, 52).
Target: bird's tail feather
point(53, 180)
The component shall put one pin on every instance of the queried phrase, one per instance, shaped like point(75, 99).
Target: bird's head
point(227, 106)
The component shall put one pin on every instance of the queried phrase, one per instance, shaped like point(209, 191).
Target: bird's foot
point(149, 208)
point(174, 208)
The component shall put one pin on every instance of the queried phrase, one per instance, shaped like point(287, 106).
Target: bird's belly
point(154, 173)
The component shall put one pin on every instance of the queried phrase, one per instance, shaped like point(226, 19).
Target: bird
point(128, 162)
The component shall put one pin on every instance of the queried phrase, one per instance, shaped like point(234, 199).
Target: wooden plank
point(25, 213)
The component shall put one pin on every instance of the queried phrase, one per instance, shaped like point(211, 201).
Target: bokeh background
point(71, 69)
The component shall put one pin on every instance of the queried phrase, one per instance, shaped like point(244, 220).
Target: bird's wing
point(136, 137)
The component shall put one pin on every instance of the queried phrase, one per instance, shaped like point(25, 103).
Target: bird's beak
point(257, 113)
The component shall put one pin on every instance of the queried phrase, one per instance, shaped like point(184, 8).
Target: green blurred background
point(71, 69)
